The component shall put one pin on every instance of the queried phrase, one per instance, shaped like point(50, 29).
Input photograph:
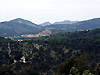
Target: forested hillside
point(18, 27)
point(79, 26)
point(79, 51)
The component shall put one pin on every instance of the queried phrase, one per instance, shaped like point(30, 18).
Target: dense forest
point(71, 53)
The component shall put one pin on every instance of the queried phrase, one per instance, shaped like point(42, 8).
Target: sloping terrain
point(83, 25)
point(18, 27)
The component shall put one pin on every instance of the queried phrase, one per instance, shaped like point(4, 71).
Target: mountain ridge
point(65, 22)
point(79, 26)
point(60, 22)
point(23, 21)
point(45, 24)
point(20, 26)
point(17, 27)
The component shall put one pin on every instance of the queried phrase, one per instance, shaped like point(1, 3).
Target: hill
point(18, 27)
point(22, 21)
point(60, 22)
point(65, 22)
point(80, 26)
point(45, 24)
point(44, 56)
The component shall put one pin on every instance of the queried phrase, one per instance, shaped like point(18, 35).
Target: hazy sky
point(39, 11)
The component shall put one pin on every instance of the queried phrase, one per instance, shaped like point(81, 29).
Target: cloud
point(42, 10)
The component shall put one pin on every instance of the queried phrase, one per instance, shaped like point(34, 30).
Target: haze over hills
point(82, 25)
point(61, 22)
point(20, 26)
point(45, 24)
point(65, 22)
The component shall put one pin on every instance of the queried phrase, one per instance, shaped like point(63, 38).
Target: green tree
point(74, 71)
point(98, 69)
point(4, 70)
point(87, 72)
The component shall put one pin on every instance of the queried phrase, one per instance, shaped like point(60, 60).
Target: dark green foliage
point(29, 71)
point(45, 54)
point(74, 71)
point(4, 70)
point(98, 69)
point(80, 63)
point(75, 66)
point(87, 72)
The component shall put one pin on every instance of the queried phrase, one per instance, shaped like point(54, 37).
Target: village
point(43, 33)
point(40, 34)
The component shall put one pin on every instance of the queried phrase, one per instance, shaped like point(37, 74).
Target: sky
point(39, 11)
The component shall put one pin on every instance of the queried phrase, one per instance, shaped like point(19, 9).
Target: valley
point(59, 49)
point(50, 37)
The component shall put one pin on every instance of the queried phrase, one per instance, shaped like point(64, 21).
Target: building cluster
point(44, 33)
